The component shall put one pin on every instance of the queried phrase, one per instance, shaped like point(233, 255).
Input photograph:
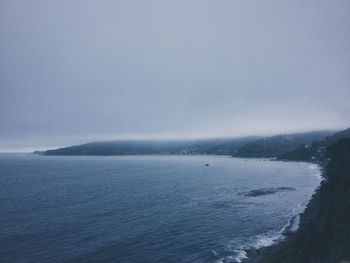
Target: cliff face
point(316, 151)
point(280, 144)
point(325, 238)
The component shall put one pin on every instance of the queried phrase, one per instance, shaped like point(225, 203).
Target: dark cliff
point(316, 151)
point(325, 237)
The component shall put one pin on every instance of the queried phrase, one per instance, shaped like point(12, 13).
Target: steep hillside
point(315, 152)
point(280, 144)
point(325, 238)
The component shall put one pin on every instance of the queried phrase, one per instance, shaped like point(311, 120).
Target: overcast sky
point(72, 71)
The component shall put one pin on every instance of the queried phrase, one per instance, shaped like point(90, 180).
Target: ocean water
point(147, 208)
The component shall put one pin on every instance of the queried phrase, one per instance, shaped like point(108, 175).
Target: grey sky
point(74, 71)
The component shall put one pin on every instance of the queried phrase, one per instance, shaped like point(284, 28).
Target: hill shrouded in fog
point(138, 147)
point(238, 147)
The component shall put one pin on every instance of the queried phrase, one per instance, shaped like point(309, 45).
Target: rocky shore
point(263, 254)
point(324, 231)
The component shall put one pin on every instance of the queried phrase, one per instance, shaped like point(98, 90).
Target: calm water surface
point(145, 208)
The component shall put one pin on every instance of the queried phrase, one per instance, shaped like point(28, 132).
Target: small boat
point(207, 164)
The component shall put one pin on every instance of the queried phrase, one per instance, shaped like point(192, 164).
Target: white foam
point(318, 176)
point(313, 167)
point(294, 225)
point(273, 237)
point(267, 240)
point(240, 255)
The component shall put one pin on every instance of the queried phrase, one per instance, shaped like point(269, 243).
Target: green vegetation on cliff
point(325, 238)
point(316, 151)
point(279, 144)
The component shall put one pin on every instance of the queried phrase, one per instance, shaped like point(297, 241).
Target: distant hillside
point(325, 238)
point(316, 151)
point(239, 147)
point(279, 144)
point(337, 136)
point(213, 146)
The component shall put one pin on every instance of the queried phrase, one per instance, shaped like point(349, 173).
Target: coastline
point(263, 254)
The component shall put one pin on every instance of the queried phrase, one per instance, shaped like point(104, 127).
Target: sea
point(147, 208)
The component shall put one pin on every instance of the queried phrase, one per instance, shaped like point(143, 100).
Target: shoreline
point(262, 255)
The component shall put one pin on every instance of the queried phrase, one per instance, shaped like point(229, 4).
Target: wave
point(265, 240)
point(249, 249)
point(237, 256)
point(240, 256)
point(313, 167)
point(318, 174)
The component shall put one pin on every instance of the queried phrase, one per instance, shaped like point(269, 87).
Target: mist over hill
point(142, 147)
point(239, 147)
point(276, 145)
point(316, 152)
